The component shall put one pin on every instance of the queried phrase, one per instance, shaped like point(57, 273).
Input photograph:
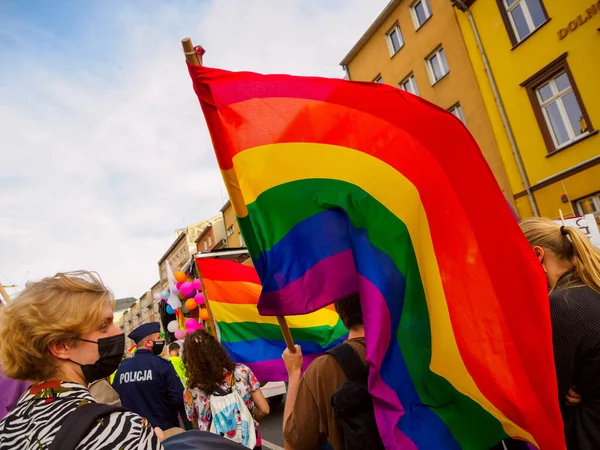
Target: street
point(270, 428)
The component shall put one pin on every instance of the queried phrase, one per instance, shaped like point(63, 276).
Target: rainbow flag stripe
point(342, 187)
point(232, 291)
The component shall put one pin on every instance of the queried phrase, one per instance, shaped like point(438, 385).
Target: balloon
point(197, 285)
point(157, 297)
point(174, 290)
point(187, 288)
point(199, 298)
point(190, 304)
point(178, 284)
point(173, 326)
point(170, 310)
point(179, 334)
point(204, 314)
point(200, 326)
point(180, 276)
point(191, 324)
point(165, 294)
point(184, 309)
point(189, 330)
point(181, 296)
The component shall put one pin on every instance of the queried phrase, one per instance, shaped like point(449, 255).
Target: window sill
point(392, 56)
point(571, 144)
point(440, 79)
point(531, 34)
point(421, 26)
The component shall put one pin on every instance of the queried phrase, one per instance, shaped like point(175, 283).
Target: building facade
point(213, 236)
point(537, 64)
point(181, 250)
point(233, 235)
point(418, 47)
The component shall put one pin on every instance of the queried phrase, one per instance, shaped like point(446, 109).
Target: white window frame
point(210, 241)
point(412, 81)
point(557, 98)
point(526, 14)
point(429, 64)
point(388, 38)
point(205, 246)
point(241, 239)
point(457, 111)
point(414, 16)
point(230, 231)
point(378, 79)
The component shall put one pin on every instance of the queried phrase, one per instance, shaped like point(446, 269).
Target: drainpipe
point(464, 8)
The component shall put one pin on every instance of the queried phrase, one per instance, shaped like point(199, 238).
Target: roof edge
point(370, 31)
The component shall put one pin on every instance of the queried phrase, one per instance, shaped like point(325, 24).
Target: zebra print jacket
point(42, 409)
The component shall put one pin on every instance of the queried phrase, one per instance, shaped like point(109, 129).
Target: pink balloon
point(200, 326)
point(179, 334)
point(178, 285)
point(199, 298)
point(197, 285)
point(191, 324)
point(186, 288)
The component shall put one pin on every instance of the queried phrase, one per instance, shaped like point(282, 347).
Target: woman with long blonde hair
point(572, 265)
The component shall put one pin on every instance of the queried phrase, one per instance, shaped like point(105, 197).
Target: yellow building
point(233, 235)
point(418, 46)
point(537, 64)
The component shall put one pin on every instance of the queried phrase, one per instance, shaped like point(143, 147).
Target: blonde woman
point(59, 334)
point(572, 265)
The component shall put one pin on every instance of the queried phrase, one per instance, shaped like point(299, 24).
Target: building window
point(395, 40)
point(409, 84)
point(458, 112)
point(205, 246)
point(420, 12)
point(589, 205)
point(241, 238)
point(210, 241)
point(378, 79)
point(557, 105)
point(230, 231)
point(522, 17)
point(437, 66)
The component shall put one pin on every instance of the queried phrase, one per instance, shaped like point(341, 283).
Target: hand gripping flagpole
point(194, 57)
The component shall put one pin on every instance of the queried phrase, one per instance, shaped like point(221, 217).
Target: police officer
point(147, 383)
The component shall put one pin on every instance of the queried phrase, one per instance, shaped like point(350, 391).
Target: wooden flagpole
point(4, 294)
point(194, 58)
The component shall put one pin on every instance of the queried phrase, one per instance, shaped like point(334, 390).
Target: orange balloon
point(181, 277)
point(190, 304)
point(204, 314)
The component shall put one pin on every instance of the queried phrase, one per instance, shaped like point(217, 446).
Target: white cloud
point(100, 163)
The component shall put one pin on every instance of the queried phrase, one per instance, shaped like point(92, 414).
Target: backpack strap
point(353, 367)
point(79, 422)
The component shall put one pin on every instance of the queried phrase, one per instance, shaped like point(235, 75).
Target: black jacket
point(575, 313)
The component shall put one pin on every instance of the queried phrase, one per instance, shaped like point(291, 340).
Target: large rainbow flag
point(342, 186)
point(232, 291)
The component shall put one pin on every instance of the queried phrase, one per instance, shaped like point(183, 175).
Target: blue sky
point(97, 168)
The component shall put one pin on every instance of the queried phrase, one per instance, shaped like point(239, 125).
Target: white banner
point(587, 225)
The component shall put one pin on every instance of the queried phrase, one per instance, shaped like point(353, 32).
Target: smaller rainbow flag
point(232, 291)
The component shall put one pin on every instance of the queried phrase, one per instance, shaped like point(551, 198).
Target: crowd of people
point(59, 347)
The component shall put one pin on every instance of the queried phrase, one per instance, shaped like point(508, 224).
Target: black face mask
point(111, 350)
point(158, 347)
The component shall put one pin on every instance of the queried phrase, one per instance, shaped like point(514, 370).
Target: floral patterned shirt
point(197, 404)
